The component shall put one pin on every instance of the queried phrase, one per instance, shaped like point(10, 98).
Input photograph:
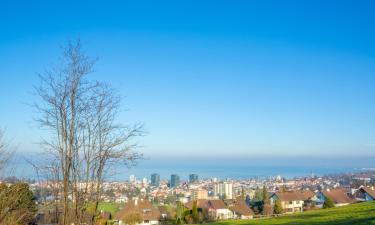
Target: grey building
point(193, 178)
point(175, 180)
point(155, 179)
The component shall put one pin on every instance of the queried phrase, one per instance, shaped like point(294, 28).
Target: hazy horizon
point(234, 167)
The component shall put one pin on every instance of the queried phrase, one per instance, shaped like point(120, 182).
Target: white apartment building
point(224, 190)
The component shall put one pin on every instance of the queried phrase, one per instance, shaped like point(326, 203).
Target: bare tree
point(5, 152)
point(85, 138)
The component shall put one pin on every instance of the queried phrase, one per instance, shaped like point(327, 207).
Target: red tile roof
point(337, 195)
point(295, 195)
point(142, 206)
point(370, 191)
point(240, 207)
point(206, 204)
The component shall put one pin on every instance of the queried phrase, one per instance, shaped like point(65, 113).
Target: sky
point(207, 78)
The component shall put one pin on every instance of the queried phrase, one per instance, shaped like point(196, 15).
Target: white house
point(150, 215)
point(292, 201)
point(240, 209)
point(216, 209)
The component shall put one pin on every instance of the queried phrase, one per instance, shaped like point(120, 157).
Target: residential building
point(216, 209)
point(150, 215)
point(175, 181)
point(240, 209)
point(155, 179)
point(193, 178)
point(365, 194)
point(200, 194)
point(132, 178)
point(292, 201)
point(338, 196)
point(224, 190)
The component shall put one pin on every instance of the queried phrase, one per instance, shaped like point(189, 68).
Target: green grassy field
point(111, 207)
point(361, 213)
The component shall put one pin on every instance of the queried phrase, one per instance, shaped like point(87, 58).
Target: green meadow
point(355, 214)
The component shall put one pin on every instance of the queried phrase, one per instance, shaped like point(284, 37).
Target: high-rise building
point(155, 179)
point(132, 178)
point(175, 180)
point(193, 178)
point(224, 190)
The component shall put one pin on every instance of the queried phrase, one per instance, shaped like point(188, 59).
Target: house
point(365, 194)
point(338, 195)
point(167, 213)
point(218, 210)
point(150, 215)
point(292, 201)
point(215, 209)
point(240, 209)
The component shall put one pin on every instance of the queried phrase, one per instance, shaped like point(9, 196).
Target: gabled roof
point(370, 191)
point(201, 203)
point(206, 204)
point(240, 207)
point(337, 195)
point(142, 206)
point(294, 195)
point(217, 204)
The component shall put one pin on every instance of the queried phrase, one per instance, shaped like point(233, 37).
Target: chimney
point(372, 188)
point(136, 202)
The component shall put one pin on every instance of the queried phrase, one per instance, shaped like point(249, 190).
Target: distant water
point(234, 168)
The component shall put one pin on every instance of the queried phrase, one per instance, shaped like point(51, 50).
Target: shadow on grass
point(308, 220)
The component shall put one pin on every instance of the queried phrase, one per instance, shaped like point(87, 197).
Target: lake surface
point(234, 168)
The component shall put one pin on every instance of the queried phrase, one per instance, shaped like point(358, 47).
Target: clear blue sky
point(220, 78)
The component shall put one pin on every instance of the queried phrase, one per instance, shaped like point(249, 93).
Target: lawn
point(361, 213)
point(111, 207)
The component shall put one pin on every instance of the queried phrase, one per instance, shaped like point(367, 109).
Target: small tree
point(264, 195)
point(277, 208)
point(194, 212)
point(328, 203)
point(265, 204)
point(267, 209)
point(132, 218)
point(179, 213)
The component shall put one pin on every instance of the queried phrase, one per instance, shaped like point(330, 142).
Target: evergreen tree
point(257, 196)
point(17, 204)
point(264, 195)
point(248, 200)
point(194, 213)
point(328, 203)
point(265, 204)
point(179, 213)
point(277, 208)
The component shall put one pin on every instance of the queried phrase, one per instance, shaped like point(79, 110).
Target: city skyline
point(226, 82)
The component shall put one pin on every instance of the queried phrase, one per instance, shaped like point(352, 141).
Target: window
point(290, 202)
point(297, 202)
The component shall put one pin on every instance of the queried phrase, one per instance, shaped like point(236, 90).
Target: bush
point(328, 203)
point(278, 209)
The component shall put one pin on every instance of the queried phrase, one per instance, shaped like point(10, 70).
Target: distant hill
point(355, 214)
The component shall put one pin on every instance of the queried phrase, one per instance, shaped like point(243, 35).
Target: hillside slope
point(355, 214)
